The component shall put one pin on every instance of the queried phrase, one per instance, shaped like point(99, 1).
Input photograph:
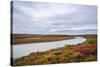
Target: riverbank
point(83, 52)
point(30, 38)
point(26, 49)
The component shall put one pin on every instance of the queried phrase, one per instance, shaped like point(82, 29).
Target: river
point(26, 49)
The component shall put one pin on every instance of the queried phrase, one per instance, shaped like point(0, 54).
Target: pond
point(26, 49)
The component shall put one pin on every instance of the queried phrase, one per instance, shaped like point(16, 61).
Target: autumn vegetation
point(83, 52)
point(18, 39)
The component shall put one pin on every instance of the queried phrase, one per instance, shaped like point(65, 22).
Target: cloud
point(52, 18)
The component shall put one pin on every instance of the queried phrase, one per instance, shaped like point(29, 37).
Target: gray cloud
point(53, 18)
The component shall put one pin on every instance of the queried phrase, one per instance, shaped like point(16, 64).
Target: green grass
point(91, 39)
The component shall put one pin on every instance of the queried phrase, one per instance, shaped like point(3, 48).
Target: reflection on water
point(25, 49)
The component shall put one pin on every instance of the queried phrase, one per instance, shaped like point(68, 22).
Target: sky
point(53, 18)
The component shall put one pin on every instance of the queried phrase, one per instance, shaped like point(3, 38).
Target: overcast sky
point(53, 18)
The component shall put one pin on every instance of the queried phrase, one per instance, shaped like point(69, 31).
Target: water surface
point(26, 49)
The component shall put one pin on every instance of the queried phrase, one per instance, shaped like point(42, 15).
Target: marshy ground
point(82, 52)
point(29, 38)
